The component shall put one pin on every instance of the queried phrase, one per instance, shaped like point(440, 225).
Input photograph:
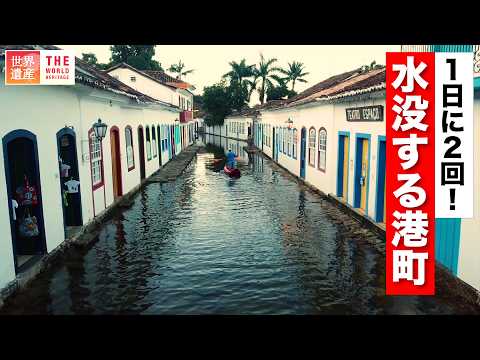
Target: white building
point(306, 134)
point(161, 86)
point(45, 127)
point(321, 137)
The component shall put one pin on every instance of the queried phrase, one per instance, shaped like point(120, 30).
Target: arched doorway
point(141, 151)
point(303, 151)
point(69, 179)
point(21, 168)
point(116, 162)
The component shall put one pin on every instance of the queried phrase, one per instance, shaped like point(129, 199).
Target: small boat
point(231, 172)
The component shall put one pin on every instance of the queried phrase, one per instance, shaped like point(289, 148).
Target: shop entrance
point(343, 159)
point(381, 177)
point(362, 170)
point(116, 162)
point(24, 196)
point(69, 180)
point(141, 151)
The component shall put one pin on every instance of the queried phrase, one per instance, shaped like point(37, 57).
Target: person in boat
point(231, 159)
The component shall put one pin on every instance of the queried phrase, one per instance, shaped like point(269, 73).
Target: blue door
point(169, 142)
point(274, 149)
point(303, 151)
point(381, 164)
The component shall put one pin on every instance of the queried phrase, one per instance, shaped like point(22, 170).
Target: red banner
point(410, 179)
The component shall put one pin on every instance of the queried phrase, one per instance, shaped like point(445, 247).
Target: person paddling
point(231, 159)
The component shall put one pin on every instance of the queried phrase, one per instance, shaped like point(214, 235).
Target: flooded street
point(208, 244)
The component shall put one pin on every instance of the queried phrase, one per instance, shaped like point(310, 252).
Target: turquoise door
point(447, 242)
point(303, 151)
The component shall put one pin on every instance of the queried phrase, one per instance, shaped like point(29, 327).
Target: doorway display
point(69, 179)
point(24, 193)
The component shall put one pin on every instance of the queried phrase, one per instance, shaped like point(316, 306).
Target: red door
point(116, 163)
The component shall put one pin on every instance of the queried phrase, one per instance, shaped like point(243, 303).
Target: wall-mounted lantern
point(100, 129)
point(289, 123)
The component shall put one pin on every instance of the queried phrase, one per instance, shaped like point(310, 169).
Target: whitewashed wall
point(45, 110)
point(146, 85)
point(374, 129)
point(330, 116)
point(312, 116)
point(246, 121)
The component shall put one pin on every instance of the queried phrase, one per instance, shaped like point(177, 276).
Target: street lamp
point(100, 129)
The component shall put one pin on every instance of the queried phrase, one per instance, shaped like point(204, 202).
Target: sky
point(210, 62)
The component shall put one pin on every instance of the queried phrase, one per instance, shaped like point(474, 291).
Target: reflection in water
point(208, 244)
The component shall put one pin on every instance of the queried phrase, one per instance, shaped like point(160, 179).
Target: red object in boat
point(231, 172)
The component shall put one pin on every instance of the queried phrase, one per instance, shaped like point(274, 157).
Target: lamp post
point(100, 129)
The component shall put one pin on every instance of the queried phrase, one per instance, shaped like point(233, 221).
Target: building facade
point(332, 136)
point(49, 150)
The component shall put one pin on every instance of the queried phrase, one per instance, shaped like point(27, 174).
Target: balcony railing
point(186, 116)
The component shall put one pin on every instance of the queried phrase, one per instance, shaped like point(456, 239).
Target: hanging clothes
point(14, 207)
point(72, 186)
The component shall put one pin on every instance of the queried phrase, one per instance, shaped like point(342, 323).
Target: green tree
point(179, 69)
point(240, 71)
point(266, 72)
point(91, 59)
point(252, 85)
point(216, 103)
point(295, 72)
point(219, 100)
point(280, 91)
point(138, 56)
point(238, 94)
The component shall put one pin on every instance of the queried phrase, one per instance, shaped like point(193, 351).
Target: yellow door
point(346, 144)
point(363, 189)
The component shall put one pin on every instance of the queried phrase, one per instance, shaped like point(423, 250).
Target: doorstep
point(379, 228)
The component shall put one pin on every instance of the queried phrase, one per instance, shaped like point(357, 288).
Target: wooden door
point(116, 163)
point(364, 174)
point(346, 144)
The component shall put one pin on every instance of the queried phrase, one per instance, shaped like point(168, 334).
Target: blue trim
point(303, 152)
point(453, 48)
point(340, 156)
point(381, 160)
point(476, 83)
point(447, 242)
point(358, 170)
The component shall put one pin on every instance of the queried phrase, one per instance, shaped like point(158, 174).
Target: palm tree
point(239, 71)
point(178, 68)
point(252, 84)
point(266, 73)
point(294, 73)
